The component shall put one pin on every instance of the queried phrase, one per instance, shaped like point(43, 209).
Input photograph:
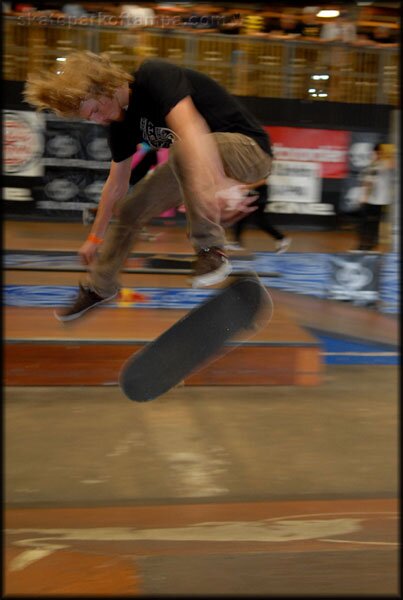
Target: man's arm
point(186, 121)
point(115, 188)
point(201, 162)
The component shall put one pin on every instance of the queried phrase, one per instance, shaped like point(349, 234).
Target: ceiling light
point(328, 14)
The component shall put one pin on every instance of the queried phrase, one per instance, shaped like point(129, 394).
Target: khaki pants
point(166, 188)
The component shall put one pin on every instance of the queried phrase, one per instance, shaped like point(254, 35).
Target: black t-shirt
point(157, 87)
point(150, 159)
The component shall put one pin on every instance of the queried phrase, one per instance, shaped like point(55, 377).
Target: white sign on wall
point(292, 181)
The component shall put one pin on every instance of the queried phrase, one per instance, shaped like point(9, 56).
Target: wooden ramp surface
point(39, 350)
point(331, 316)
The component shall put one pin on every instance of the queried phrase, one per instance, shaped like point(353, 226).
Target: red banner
point(327, 147)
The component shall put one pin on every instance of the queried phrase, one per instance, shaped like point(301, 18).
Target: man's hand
point(87, 252)
point(114, 189)
point(235, 203)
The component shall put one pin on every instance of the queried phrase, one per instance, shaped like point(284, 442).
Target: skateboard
point(197, 339)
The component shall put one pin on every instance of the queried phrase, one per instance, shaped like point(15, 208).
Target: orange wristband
point(93, 238)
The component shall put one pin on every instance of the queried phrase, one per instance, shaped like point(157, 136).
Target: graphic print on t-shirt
point(156, 137)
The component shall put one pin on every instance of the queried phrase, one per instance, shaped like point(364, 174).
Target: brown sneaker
point(85, 300)
point(211, 267)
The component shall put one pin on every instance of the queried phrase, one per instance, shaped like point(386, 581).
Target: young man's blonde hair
point(83, 75)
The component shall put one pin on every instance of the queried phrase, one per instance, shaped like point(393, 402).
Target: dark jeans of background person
point(368, 226)
point(259, 217)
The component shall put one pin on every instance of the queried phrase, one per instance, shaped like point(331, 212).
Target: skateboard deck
point(196, 339)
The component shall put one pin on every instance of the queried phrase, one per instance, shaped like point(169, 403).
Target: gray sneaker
point(283, 245)
point(211, 266)
point(85, 300)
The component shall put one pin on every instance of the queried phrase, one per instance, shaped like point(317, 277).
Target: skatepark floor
point(227, 456)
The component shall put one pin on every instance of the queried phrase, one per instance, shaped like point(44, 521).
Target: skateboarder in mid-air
point(216, 148)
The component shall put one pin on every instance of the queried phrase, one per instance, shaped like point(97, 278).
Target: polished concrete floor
point(212, 491)
point(91, 444)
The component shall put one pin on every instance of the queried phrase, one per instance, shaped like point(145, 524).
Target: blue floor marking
point(308, 273)
point(63, 295)
point(344, 351)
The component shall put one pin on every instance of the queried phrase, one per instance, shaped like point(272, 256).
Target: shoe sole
point(212, 278)
point(67, 318)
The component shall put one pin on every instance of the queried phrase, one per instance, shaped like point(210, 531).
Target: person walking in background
point(259, 217)
point(376, 195)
